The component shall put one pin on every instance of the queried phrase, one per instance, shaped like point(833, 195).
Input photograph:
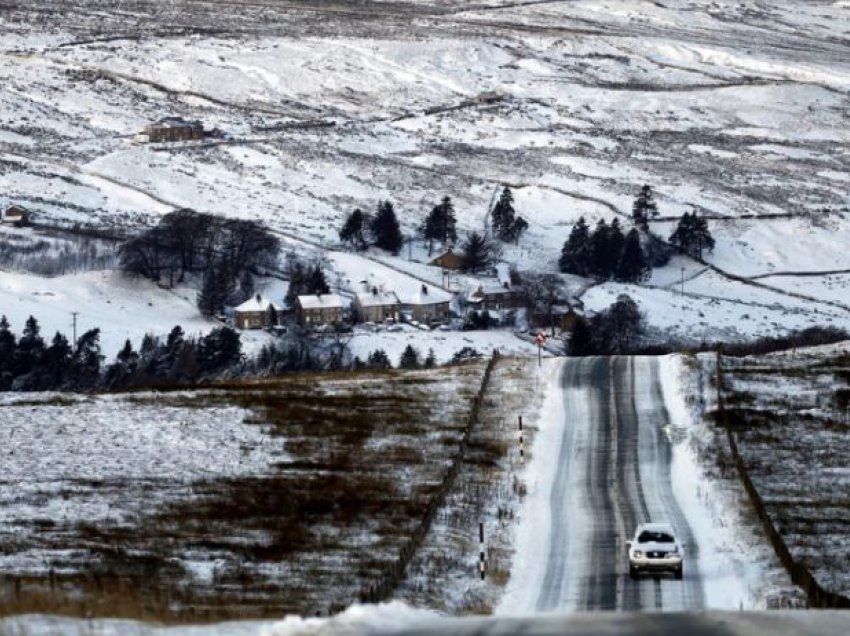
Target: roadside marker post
point(481, 566)
point(521, 448)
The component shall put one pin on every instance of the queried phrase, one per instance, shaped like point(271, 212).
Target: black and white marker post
point(481, 565)
point(521, 446)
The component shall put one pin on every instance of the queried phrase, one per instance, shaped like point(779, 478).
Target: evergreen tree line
point(605, 253)
point(617, 330)
point(224, 251)
point(30, 364)
point(361, 230)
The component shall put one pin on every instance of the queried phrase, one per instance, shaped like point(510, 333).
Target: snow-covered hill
point(737, 110)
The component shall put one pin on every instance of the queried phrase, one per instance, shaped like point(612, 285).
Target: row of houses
point(427, 305)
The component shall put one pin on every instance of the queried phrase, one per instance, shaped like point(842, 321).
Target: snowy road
point(612, 470)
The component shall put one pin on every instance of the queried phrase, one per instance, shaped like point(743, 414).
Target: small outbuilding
point(14, 215)
point(448, 260)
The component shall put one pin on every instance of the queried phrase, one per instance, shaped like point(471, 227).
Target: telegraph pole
point(75, 314)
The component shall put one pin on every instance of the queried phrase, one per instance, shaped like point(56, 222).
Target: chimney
point(374, 291)
point(259, 298)
point(424, 290)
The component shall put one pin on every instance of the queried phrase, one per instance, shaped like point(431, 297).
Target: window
point(655, 536)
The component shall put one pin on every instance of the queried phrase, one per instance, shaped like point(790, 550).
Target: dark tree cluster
point(617, 330)
point(691, 235)
point(224, 251)
point(176, 360)
point(361, 230)
point(507, 225)
point(304, 280)
point(440, 224)
point(30, 364)
point(605, 253)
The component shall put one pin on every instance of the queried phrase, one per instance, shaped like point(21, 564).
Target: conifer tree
point(353, 231)
point(581, 339)
point(503, 214)
point(385, 228)
point(440, 224)
point(616, 240)
point(575, 255)
point(692, 236)
point(56, 362)
point(633, 266)
point(476, 253)
point(600, 257)
point(30, 348)
point(644, 208)
point(7, 351)
point(430, 360)
point(409, 358)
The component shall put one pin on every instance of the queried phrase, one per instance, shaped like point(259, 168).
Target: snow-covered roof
point(255, 303)
point(427, 295)
point(323, 301)
point(377, 299)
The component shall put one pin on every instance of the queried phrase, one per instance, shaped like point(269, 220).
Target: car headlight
point(637, 554)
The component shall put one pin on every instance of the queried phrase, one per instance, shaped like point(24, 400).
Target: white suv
point(655, 548)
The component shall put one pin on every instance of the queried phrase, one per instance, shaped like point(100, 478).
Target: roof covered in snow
point(321, 301)
point(377, 299)
point(255, 303)
point(427, 295)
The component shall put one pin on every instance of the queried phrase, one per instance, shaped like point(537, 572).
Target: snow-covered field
point(792, 418)
point(255, 500)
point(734, 110)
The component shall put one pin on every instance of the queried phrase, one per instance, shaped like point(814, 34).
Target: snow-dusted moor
point(341, 316)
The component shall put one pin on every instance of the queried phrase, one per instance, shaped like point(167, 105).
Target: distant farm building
point(172, 129)
point(14, 215)
point(319, 309)
point(448, 260)
point(428, 305)
point(255, 313)
point(378, 306)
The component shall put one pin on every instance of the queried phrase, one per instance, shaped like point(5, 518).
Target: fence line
point(799, 573)
point(394, 573)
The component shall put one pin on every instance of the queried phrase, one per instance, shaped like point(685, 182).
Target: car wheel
point(633, 573)
point(678, 573)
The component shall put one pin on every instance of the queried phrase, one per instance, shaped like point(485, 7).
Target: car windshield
point(655, 536)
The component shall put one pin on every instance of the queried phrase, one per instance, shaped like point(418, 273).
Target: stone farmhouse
point(495, 297)
point(171, 129)
point(255, 313)
point(319, 309)
point(378, 306)
point(428, 305)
